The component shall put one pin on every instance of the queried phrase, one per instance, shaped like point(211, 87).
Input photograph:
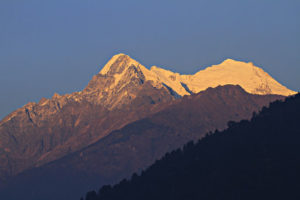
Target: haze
point(58, 45)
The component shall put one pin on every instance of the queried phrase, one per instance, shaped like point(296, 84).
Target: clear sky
point(58, 45)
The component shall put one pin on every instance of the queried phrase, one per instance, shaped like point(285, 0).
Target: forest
point(255, 159)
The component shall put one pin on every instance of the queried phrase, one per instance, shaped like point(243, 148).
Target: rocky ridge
point(122, 92)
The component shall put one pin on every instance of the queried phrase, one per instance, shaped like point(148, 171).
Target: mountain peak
point(229, 60)
point(250, 77)
point(119, 82)
point(232, 62)
point(117, 64)
point(123, 66)
point(121, 70)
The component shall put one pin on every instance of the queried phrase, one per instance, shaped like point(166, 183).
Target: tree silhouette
point(256, 159)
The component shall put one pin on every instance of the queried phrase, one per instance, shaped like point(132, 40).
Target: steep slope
point(257, 159)
point(137, 145)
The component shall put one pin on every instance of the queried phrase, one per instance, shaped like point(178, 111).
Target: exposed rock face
point(124, 91)
point(117, 87)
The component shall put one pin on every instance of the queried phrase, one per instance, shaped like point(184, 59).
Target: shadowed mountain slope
point(137, 145)
point(257, 159)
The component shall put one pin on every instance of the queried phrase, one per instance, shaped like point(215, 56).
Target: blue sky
point(58, 45)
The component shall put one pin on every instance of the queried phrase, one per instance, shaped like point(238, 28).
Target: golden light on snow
point(251, 78)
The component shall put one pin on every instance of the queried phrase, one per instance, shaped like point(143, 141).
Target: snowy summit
point(252, 79)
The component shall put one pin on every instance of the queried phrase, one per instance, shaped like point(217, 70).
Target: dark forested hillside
point(256, 159)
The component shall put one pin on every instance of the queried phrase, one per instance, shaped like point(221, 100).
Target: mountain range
point(124, 119)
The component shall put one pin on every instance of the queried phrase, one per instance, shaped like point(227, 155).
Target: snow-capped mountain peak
point(119, 65)
point(251, 78)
